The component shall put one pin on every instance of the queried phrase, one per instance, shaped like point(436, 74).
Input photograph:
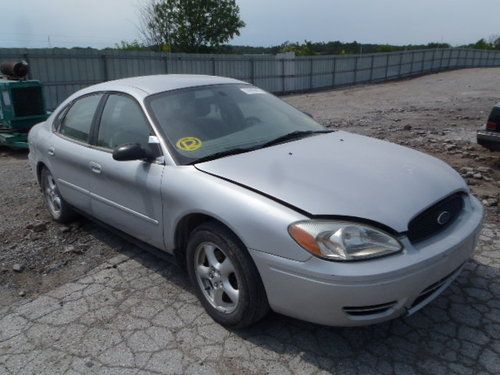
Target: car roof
point(159, 83)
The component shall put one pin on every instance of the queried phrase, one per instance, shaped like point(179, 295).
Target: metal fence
point(64, 71)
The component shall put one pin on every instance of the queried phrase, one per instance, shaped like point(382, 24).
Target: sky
point(103, 23)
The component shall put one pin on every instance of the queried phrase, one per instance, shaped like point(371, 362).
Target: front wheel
point(58, 208)
point(225, 277)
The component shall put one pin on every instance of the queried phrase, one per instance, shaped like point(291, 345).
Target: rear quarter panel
point(38, 140)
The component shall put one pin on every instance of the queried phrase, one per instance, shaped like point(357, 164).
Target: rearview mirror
point(131, 151)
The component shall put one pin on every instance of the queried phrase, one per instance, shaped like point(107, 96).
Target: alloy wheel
point(52, 195)
point(217, 277)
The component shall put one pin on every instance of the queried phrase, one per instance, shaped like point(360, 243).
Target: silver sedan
point(265, 208)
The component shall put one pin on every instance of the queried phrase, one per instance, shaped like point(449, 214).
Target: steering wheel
point(252, 120)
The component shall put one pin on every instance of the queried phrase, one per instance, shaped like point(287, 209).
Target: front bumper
point(489, 139)
point(360, 293)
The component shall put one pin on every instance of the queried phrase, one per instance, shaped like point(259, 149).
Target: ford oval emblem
point(443, 217)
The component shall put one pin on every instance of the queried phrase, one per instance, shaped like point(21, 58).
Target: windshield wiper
point(284, 138)
point(221, 154)
point(292, 136)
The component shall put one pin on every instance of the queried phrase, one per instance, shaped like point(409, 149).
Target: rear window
point(27, 101)
point(78, 119)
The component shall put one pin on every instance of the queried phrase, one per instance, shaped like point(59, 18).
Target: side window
point(77, 122)
point(122, 121)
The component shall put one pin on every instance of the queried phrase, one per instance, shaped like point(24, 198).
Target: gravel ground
point(85, 301)
point(37, 254)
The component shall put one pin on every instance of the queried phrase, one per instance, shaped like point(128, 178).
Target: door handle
point(94, 167)
point(51, 151)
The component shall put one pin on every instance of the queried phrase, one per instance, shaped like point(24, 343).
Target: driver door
point(126, 194)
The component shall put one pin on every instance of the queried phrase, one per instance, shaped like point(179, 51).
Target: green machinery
point(21, 104)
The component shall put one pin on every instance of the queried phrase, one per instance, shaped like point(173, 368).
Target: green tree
point(130, 46)
point(495, 41)
point(190, 25)
point(482, 44)
point(305, 49)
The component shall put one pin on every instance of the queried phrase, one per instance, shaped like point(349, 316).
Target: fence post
point(283, 74)
point(252, 70)
point(400, 64)
point(372, 61)
point(334, 71)
point(422, 68)
point(355, 69)
point(166, 64)
point(412, 62)
point(387, 66)
point(441, 61)
point(105, 73)
point(213, 66)
point(311, 70)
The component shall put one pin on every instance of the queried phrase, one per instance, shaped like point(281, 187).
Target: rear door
point(69, 150)
point(126, 194)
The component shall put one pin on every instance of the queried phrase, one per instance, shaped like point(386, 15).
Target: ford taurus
point(265, 207)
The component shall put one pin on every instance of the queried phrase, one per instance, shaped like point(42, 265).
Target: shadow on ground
point(459, 332)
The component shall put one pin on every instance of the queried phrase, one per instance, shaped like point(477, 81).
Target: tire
point(216, 282)
point(57, 206)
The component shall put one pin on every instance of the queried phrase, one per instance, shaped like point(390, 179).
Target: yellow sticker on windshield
point(189, 143)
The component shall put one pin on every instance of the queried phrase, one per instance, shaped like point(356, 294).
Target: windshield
point(208, 120)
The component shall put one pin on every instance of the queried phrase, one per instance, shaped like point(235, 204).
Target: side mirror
point(130, 151)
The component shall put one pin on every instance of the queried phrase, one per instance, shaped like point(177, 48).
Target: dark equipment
point(21, 104)
point(489, 135)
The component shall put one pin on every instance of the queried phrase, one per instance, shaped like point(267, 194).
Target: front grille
point(368, 310)
point(27, 101)
point(437, 218)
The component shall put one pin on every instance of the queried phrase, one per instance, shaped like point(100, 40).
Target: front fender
point(259, 222)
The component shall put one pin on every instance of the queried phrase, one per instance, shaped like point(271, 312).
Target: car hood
point(344, 174)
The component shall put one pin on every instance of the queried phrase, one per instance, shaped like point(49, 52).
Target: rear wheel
point(58, 208)
point(225, 277)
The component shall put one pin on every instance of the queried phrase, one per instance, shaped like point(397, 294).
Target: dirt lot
point(437, 114)
point(120, 311)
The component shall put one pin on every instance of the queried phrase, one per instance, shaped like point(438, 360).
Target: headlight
point(343, 241)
